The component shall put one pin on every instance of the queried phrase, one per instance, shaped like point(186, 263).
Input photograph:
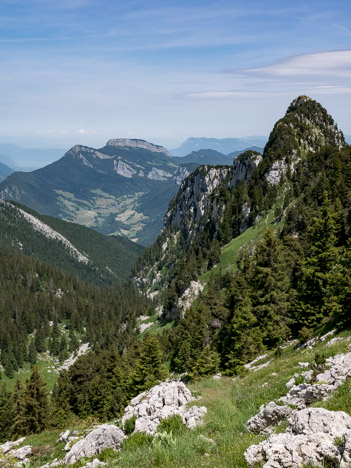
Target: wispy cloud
point(332, 63)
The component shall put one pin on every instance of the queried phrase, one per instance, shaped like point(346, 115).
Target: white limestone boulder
point(161, 402)
point(268, 417)
point(310, 438)
point(105, 436)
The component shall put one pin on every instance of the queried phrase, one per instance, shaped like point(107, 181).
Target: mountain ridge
point(73, 248)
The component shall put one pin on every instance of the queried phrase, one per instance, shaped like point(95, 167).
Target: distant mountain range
point(75, 249)
point(222, 145)
point(212, 157)
point(123, 188)
point(18, 157)
point(5, 171)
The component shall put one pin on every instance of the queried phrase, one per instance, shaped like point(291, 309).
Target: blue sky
point(84, 71)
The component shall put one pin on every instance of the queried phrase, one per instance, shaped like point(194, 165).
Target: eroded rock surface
point(268, 417)
point(161, 402)
point(309, 438)
point(105, 436)
point(327, 382)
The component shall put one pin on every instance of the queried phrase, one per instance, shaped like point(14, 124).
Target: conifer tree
point(244, 338)
point(149, 369)
point(62, 409)
point(270, 286)
point(206, 364)
point(6, 414)
point(183, 360)
point(32, 353)
point(33, 414)
point(319, 272)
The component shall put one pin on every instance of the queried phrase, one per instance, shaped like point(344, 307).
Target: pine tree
point(319, 272)
point(206, 364)
point(62, 409)
point(33, 413)
point(32, 353)
point(244, 338)
point(183, 360)
point(6, 414)
point(270, 286)
point(149, 369)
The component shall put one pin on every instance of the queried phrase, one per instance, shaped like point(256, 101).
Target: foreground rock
point(326, 382)
point(161, 402)
point(268, 417)
point(105, 436)
point(310, 438)
point(7, 446)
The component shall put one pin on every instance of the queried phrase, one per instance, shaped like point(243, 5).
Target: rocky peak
point(136, 143)
point(299, 102)
point(306, 128)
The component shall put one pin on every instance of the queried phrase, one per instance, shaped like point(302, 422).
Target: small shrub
point(137, 440)
point(318, 365)
point(300, 379)
point(174, 424)
point(338, 441)
point(164, 439)
point(129, 425)
point(107, 454)
point(305, 334)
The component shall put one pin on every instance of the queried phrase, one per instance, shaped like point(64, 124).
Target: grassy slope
point(231, 253)
point(230, 403)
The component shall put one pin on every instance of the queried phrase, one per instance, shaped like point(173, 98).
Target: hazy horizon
point(83, 71)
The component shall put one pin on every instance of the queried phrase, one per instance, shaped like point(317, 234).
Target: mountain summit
point(136, 143)
point(215, 205)
point(123, 188)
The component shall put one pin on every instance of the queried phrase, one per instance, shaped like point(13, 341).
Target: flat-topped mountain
point(137, 143)
point(123, 188)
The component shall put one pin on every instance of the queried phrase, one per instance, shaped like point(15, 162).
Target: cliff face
point(195, 205)
point(208, 198)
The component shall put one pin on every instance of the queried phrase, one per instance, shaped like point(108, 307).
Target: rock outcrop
point(268, 417)
point(327, 382)
point(310, 438)
point(161, 402)
point(105, 436)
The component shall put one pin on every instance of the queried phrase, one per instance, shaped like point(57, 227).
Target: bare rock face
point(161, 402)
point(268, 417)
point(309, 439)
point(189, 295)
point(136, 143)
point(316, 420)
point(243, 166)
point(105, 436)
